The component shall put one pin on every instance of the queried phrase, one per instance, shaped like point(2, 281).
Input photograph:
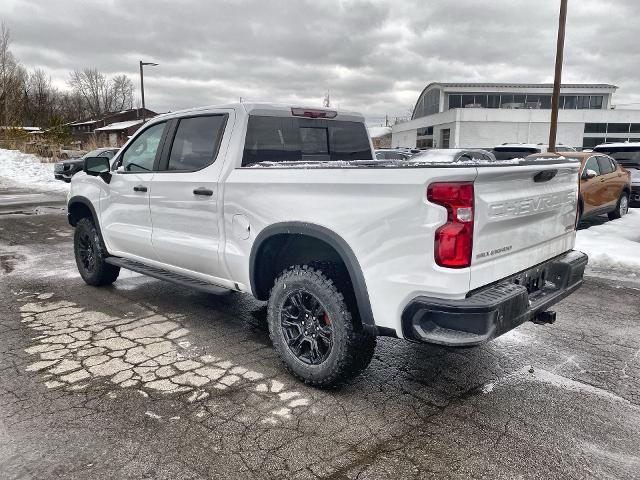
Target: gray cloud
point(375, 56)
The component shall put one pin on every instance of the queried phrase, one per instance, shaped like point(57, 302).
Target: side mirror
point(98, 167)
point(589, 174)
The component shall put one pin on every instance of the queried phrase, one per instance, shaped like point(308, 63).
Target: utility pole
point(142, 64)
point(555, 100)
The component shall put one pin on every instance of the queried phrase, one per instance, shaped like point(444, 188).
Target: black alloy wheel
point(306, 327)
point(86, 252)
point(91, 254)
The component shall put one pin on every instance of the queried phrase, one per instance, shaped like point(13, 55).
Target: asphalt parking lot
point(85, 389)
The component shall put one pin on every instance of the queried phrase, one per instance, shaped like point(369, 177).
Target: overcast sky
point(373, 56)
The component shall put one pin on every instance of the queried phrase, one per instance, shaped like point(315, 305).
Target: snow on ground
point(614, 244)
point(26, 170)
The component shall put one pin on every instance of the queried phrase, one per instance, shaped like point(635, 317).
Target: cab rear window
point(284, 139)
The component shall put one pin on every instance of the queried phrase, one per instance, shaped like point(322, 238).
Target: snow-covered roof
point(88, 122)
point(377, 132)
point(119, 125)
point(27, 129)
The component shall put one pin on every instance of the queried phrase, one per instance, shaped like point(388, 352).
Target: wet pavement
point(148, 380)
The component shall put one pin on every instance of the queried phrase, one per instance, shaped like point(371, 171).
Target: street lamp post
point(142, 64)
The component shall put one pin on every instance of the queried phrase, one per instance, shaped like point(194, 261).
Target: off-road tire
point(98, 273)
point(622, 207)
point(352, 346)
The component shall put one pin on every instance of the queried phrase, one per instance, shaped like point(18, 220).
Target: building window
point(445, 135)
point(618, 128)
point(431, 103)
point(517, 100)
point(568, 102)
point(425, 131)
point(588, 142)
point(596, 102)
point(545, 102)
point(427, 143)
point(428, 104)
point(583, 101)
point(493, 100)
point(635, 128)
point(468, 101)
point(595, 128)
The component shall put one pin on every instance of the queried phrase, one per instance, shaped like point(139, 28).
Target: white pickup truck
point(290, 205)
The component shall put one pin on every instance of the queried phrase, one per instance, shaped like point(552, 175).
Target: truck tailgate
point(524, 214)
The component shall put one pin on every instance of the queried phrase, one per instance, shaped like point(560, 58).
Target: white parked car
point(289, 204)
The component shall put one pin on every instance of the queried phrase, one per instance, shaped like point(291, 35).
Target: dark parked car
point(626, 154)
point(68, 168)
point(509, 151)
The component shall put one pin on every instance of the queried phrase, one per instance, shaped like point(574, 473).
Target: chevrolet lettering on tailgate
point(527, 206)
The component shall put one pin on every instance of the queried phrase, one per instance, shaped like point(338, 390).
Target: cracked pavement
point(145, 379)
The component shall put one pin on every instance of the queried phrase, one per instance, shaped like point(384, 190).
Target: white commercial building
point(483, 115)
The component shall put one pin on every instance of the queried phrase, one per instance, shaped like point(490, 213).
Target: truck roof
point(266, 109)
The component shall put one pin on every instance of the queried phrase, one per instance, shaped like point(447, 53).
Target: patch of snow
point(614, 244)
point(27, 170)
point(119, 126)
point(488, 388)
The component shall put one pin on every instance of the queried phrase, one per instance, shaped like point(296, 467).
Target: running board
point(161, 274)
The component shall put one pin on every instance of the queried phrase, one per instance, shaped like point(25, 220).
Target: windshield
point(508, 153)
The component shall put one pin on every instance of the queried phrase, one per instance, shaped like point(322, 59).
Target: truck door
point(591, 189)
point(611, 181)
point(125, 219)
point(185, 199)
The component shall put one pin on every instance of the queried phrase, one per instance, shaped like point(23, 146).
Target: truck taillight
point(454, 239)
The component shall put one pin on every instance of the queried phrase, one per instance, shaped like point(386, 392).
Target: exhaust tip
point(544, 318)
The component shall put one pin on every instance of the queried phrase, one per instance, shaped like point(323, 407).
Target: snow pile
point(614, 244)
point(23, 169)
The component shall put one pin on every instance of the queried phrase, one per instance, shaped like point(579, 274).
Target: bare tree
point(122, 89)
point(7, 69)
point(101, 95)
point(40, 99)
point(92, 87)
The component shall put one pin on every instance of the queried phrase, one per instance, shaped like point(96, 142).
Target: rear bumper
point(495, 309)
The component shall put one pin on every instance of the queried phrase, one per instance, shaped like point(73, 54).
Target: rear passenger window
point(196, 141)
point(592, 164)
point(605, 165)
point(283, 139)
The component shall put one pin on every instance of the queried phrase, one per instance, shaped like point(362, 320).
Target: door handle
point(203, 191)
point(139, 188)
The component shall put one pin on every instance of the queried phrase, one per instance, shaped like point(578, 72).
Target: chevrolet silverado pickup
point(290, 205)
